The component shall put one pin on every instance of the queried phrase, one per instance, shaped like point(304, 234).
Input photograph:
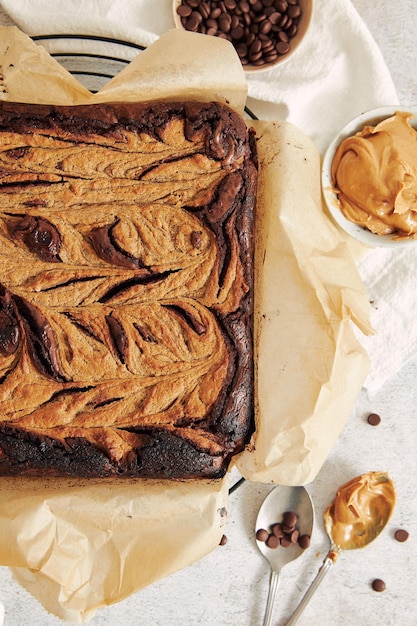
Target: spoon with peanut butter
point(357, 515)
point(283, 530)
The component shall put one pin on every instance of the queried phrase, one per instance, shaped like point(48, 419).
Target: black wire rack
point(94, 60)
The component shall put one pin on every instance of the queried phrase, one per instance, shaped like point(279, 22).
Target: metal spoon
point(358, 514)
point(280, 500)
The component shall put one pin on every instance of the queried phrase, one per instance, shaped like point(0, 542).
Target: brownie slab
point(126, 289)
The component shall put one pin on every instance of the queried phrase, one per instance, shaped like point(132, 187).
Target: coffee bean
point(223, 540)
point(270, 57)
point(289, 519)
point(237, 33)
point(292, 30)
point(401, 535)
point(192, 24)
point(262, 535)
point(374, 419)
point(288, 25)
point(378, 585)
point(184, 10)
point(272, 542)
point(282, 47)
point(256, 57)
point(304, 541)
point(242, 50)
point(293, 10)
point(211, 23)
point(197, 16)
point(281, 5)
point(267, 47)
point(274, 18)
point(286, 541)
point(277, 530)
point(277, 535)
point(284, 19)
point(265, 27)
point(247, 19)
point(224, 21)
point(205, 10)
point(256, 47)
point(244, 22)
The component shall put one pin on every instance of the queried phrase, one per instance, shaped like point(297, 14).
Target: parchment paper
point(309, 365)
point(75, 544)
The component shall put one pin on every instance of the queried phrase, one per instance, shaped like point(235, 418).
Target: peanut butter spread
point(374, 174)
point(360, 510)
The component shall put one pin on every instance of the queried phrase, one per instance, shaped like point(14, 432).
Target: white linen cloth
point(337, 73)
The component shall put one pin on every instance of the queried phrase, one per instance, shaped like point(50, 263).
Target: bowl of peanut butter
point(369, 177)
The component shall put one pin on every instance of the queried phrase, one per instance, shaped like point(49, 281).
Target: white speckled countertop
point(229, 586)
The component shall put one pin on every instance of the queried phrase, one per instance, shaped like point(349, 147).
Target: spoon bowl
point(358, 514)
point(279, 501)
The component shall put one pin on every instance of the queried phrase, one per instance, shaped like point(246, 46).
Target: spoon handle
point(273, 586)
point(327, 563)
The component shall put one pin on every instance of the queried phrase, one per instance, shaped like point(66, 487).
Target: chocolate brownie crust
point(126, 289)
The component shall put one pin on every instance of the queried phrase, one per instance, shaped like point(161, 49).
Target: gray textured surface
point(229, 587)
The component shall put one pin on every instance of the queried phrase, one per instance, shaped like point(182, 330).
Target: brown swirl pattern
point(125, 288)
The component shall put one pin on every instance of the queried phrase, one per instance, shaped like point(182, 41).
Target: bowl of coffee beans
point(264, 33)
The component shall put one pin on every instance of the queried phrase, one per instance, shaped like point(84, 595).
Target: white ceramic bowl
point(370, 118)
point(303, 26)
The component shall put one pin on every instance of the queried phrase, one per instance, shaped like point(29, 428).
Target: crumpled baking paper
point(309, 366)
point(75, 544)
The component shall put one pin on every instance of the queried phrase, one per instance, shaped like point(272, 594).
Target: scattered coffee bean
point(260, 30)
point(223, 540)
point(374, 419)
point(401, 535)
point(378, 585)
point(285, 533)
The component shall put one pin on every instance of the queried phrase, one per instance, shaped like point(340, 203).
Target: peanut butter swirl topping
point(125, 278)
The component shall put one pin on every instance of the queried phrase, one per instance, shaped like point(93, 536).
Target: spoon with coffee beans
point(283, 530)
